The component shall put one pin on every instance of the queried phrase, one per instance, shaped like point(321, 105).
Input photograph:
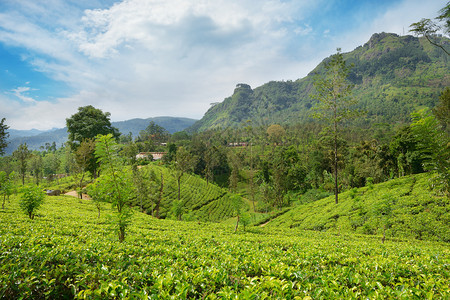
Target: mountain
point(59, 136)
point(171, 124)
point(392, 76)
point(14, 133)
point(35, 138)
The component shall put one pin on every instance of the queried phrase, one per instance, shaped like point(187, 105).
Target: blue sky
point(148, 58)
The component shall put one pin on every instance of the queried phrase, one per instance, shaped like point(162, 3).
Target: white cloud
point(395, 20)
point(144, 58)
point(20, 93)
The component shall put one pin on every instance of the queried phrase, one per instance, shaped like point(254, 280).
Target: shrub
point(31, 199)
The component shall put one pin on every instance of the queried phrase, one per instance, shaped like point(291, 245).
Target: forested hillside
point(392, 76)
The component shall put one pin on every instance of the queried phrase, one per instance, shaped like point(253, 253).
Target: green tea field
point(68, 252)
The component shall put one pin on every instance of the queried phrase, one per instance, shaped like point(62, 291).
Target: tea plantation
point(402, 207)
point(68, 252)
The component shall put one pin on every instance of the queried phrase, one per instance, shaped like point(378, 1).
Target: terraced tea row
point(67, 251)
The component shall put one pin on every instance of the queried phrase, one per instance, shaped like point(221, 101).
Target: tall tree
point(22, 154)
point(211, 161)
point(3, 136)
point(236, 165)
point(333, 92)
point(428, 28)
point(51, 163)
point(115, 184)
point(251, 135)
point(6, 185)
point(36, 166)
point(144, 180)
point(85, 161)
point(87, 123)
point(183, 163)
point(275, 133)
point(434, 144)
point(442, 109)
point(154, 132)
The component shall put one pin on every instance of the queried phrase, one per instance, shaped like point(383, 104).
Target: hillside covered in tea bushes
point(405, 208)
point(68, 251)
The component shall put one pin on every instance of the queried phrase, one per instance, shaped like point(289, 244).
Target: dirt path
point(264, 224)
point(75, 194)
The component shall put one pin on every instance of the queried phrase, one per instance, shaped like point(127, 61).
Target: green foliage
point(369, 183)
point(313, 195)
point(442, 109)
point(69, 253)
point(154, 132)
point(428, 28)
point(393, 76)
point(434, 145)
point(199, 200)
point(7, 187)
point(35, 166)
point(114, 185)
point(3, 136)
point(404, 147)
point(184, 162)
point(31, 199)
point(275, 133)
point(87, 123)
point(406, 205)
point(335, 104)
point(22, 154)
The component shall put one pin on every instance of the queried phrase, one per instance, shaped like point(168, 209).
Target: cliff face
point(393, 75)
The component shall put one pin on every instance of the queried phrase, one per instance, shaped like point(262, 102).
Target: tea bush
point(68, 252)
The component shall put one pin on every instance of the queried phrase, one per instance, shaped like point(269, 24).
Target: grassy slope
point(405, 205)
point(67, 251)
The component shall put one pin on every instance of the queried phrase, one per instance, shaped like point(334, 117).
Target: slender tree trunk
point(251, 174)
point(161, 190)
point(179, 184)
point(237, 224)
point(336, 191)
point(80, 194)
point(121, 234)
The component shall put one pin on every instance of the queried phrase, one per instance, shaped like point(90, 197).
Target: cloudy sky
point(148, 58)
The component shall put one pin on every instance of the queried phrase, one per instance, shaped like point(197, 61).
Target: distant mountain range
point(36, 138)
point(392, 76)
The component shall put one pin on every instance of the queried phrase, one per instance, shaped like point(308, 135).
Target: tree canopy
point(334, 105)
point(428, 28)
point(154, 132)
point(3, 136)
point(87, 123)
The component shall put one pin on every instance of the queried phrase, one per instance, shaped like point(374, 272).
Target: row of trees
point(297, 157)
